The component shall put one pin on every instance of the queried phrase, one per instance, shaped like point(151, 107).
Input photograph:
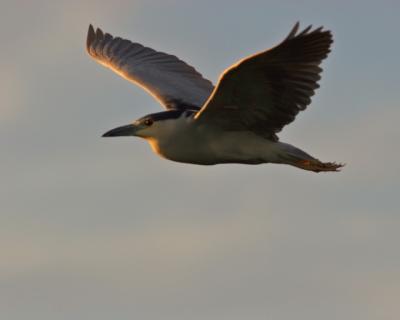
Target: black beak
point(128, 130)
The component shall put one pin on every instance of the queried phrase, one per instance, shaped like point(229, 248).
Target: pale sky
point(94, 228)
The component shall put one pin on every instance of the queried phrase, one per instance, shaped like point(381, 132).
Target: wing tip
point(99, 34)
point(294, 30)
point(308, 30)
point(91, 36)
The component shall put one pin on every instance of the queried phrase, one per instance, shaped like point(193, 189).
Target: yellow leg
point(318, 166)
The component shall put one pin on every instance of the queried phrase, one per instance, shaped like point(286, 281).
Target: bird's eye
point(148, 122)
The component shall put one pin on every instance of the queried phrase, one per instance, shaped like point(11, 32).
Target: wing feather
point(170, 80)
point(265, 92)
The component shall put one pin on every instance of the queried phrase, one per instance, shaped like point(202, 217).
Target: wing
point(170, 80)
point(264, 92)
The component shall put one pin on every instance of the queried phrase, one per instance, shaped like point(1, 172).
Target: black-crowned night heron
point(235, 122)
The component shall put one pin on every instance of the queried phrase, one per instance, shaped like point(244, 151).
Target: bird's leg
point(293, 156)
point(317, 166)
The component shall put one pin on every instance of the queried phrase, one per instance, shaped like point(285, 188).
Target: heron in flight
point(236, 121)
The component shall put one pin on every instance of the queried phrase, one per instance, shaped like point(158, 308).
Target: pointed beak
point(128, 130)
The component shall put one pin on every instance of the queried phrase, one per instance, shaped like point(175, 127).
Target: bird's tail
point(300, 159)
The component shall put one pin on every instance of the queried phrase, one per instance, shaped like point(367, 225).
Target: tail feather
point(300, 159)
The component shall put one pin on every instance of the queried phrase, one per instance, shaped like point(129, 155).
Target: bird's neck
point(171, 130)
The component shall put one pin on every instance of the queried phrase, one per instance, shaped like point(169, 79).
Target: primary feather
point(265, 91)
point(170, 80)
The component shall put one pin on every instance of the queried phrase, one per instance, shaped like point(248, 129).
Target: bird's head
point(142, 127)
point(151, 126)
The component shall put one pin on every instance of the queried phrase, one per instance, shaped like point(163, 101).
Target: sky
point(94, 228)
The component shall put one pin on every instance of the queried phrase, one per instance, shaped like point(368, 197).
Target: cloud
point(12, 93)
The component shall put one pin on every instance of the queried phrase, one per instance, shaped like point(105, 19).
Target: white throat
point(170, 132)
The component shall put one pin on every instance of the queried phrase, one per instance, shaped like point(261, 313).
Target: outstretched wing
point(264, 92)
point(170, 80)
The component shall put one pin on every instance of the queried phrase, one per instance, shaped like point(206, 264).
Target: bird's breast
point(209, 147)
point(184, 150)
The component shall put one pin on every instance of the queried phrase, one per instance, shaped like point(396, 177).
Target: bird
point(237, 120)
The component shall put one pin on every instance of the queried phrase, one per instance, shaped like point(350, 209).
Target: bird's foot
point(318, 166)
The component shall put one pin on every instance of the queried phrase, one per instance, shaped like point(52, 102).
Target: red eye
point(148, 122)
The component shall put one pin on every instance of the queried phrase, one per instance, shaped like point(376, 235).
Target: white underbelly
point(224, 147)
point(184, 151)
point(244, 146)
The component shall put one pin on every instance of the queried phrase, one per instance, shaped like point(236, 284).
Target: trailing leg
point(300, 159)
